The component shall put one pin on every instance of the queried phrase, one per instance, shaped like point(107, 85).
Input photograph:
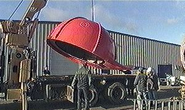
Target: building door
point(163, 70)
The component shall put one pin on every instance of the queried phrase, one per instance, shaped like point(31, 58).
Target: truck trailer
point(111, 88)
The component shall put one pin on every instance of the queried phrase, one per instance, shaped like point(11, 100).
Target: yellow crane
point(17, 36)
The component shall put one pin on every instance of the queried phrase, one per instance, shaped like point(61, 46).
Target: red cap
point(81, 40)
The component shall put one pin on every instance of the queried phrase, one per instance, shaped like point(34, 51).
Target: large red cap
point(81, 40)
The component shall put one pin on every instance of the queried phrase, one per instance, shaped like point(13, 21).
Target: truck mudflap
point(14, 94)
point(70, 94)
point(55, 92)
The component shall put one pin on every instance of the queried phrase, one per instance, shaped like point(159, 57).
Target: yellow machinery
point(17, 36)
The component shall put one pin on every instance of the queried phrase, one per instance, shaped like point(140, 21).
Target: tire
point(116, 93)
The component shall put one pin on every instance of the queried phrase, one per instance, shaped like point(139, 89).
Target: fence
point(160, 104)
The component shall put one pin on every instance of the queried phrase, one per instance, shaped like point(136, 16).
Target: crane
point(17, 36)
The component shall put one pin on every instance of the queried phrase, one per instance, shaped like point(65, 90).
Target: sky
point(162, 20)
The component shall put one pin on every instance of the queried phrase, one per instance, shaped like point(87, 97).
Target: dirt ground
point(165, 93)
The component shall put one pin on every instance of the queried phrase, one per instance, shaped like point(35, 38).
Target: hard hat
point(141, 69)
point(149, 70)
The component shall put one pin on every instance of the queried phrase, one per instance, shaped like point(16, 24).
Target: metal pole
point(162, 105)
point(24, 96)
point(92, 10)
point(174, 105)
point(155, 104)
point(169, 105)
point(180, 105)
point(149, 103)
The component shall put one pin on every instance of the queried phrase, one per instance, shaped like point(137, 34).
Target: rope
point(15, 9)
point(38, 15)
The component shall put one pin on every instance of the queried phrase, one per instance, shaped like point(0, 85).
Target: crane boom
point(35, 6)
point(21, 28)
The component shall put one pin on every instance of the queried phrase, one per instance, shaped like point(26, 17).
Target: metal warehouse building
point(131, 50)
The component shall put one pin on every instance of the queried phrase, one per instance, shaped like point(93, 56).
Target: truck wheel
point(93, 96)
point(116, 93)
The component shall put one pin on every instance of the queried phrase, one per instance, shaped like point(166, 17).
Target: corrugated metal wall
point(131, 50)
point(39, 45)
point(137, 51)
point(46, 56)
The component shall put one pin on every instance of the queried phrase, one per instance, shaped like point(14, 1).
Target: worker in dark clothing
point(150, 87)
point(152, 83)
point(83, 80)
point(46, 71)
point(129, 85)
point(140, 84)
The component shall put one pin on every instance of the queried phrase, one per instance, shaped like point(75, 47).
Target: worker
point(152, 83)
point(140, 84)
point(82, 79)
point(46, 71)
point(129, 86)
